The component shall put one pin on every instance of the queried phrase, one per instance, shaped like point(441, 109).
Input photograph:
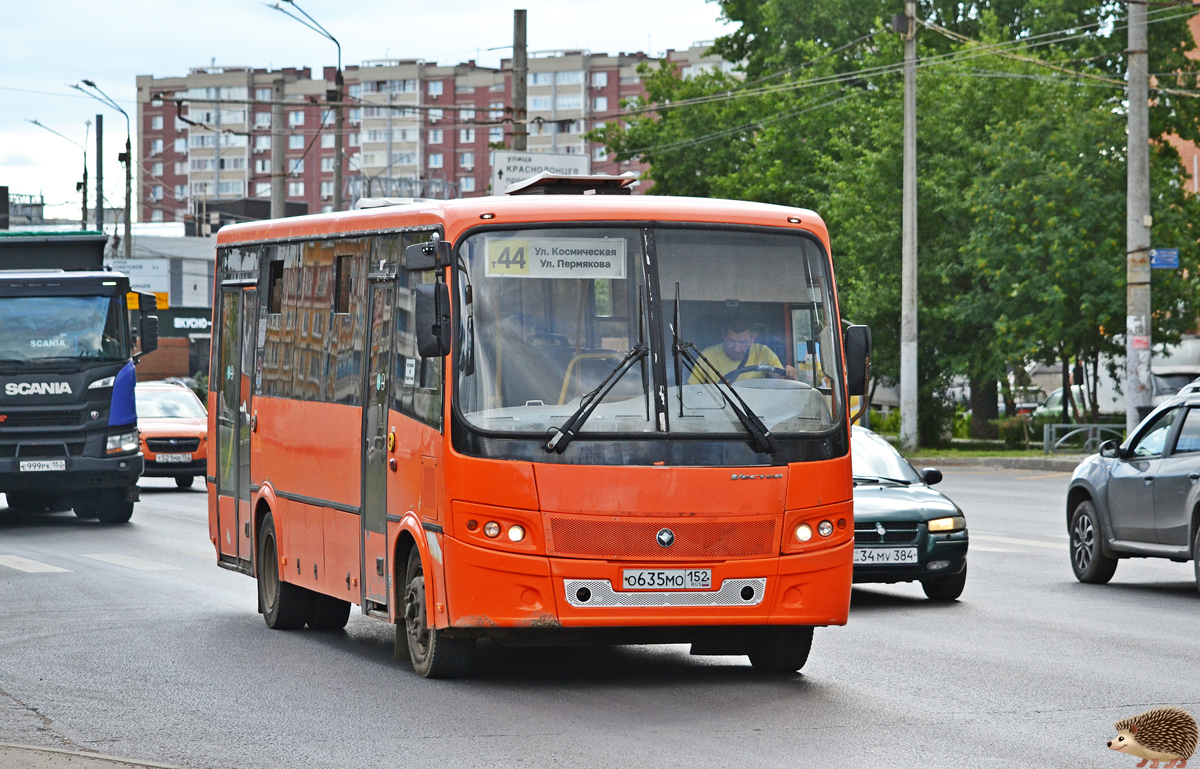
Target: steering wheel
point(758, 368)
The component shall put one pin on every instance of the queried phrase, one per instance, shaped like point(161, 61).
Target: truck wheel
point(84, 507)
point(284, 606)
point(945, 588)
point(1088, 560)
point(109, 505)
point(780, 649)
point(184, 481)
point(328, 613)
point(433, 654)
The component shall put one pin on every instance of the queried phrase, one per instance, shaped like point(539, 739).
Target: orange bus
point(543, 419)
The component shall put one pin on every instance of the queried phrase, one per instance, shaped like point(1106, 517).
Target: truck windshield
point(748, 325)
point(38, 328)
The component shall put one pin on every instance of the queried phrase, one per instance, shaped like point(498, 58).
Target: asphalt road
point(141, 647)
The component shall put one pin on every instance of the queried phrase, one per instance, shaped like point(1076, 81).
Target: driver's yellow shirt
point(760, 355)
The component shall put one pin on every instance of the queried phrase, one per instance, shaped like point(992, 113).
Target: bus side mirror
point(431, 255)
point(857, 344)
point(433, 320)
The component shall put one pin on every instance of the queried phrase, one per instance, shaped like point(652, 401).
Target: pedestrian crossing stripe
point(130, 562)
point(27, 565)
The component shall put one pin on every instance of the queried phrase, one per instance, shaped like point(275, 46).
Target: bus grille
point(169, 445)
point(597, 537)
point(895, 533)
point(42, 419)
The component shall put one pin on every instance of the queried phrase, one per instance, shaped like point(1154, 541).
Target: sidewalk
point(1059, 463)
point(27, 757)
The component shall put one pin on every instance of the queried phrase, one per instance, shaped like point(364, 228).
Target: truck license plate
point(885, 555)
point(164, 458)
point(667, 579)
point(42, 465)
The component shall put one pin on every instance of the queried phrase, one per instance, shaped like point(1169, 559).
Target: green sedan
point(904, 531)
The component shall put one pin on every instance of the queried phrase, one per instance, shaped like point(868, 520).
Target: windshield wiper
point(764, 442)
point(562, 436)
point(880, 479)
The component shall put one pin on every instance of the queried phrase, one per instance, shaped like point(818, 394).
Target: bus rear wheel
point(779, 649)
point(433, 654)
point(284, 606)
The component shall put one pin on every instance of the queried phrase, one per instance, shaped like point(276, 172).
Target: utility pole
point(79, 186)
point(100, 173)
point(908, 290)
point(278, 180)
point(520, 68)
point(1137, 224)
point(339, 120)
point(128, 191)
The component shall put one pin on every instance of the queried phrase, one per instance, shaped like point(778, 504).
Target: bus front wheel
point(433, 654)
point(284, 606)
point(780, 648)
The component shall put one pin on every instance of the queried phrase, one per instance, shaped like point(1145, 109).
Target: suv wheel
point(1088, 560)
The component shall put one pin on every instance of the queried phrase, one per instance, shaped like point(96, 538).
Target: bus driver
point(738, 351)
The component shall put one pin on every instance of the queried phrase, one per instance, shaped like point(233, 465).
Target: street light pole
point(334, 96)
point(126, 158)
point(909, 435)
point(81, 186)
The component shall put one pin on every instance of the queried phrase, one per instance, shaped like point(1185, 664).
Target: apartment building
point(412, 128)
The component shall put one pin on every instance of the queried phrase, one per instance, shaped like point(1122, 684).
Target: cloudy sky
point(46, 45)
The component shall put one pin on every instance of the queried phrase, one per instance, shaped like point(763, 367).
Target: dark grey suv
point(1140, 499)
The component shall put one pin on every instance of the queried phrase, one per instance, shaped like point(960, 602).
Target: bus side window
point(417, 384)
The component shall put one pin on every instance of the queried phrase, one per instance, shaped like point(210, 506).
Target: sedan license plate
point(173, 458)
point(666, 579)
point(885, 555)
point(42, 465)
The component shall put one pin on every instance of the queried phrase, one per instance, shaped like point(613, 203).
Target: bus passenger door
point(377, 389)
point(235, 364)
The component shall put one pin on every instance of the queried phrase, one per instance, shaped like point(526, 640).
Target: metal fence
point(1078, 439)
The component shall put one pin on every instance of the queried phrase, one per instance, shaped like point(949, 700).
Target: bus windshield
point(40, 328)
point(745, 323)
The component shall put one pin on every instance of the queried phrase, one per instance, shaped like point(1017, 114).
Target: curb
point(1053, 464)
point(51, 758)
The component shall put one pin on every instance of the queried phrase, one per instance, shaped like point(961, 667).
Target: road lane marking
point(24, 564)
point(1043, 475)
point(130, 563)
point(1016, 541)
point(974, 547)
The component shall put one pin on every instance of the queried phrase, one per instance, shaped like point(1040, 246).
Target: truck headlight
point(105, 382)
point(122, 443)
point(948, 524)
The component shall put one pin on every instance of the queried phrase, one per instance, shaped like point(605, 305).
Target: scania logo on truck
point(37, 388)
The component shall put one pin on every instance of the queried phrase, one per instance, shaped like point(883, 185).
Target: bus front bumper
point(490, 589)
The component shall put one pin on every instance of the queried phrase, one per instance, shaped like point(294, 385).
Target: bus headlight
point(122, 443)
point(491, 529)
point(804, 532)
point(516, 533)
point(825, 528)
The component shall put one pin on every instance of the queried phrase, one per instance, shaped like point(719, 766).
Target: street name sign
point(1164, 258)
point(510, 167)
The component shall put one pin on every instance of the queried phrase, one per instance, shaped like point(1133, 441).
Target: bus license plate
point(42, 465)
point(885, 555)
point(164, 458)
point(667, 579)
